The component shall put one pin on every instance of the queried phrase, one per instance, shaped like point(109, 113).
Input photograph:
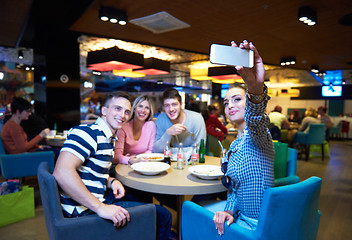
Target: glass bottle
point(202, 152)
point(195, 155)
point(180, 157)
point(167, 153)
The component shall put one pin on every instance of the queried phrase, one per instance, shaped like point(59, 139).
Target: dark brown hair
point(171, 93)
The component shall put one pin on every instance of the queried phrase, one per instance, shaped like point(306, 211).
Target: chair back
point(24, 164)
point(2, 149)
point(290, 212)
point(316, 133)
point(90, 227)
point(212, 146)
point(50, 198)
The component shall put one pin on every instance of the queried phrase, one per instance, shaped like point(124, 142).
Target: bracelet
point(258, 98)
point(112, 181)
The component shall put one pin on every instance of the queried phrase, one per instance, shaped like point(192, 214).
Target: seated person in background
point(250, 167)
point(310, 116)
point(324, 118)
point(14, 137)
point(82, 170)
point(278, 119)
point(294, 116)
point(193, 106)
point(213, 126)
point(177, 125)
point(138, 134)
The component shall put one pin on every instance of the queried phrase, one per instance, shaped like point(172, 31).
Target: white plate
point(153, 157)
point(57, 137)
point(206, 171)
point(150, 168)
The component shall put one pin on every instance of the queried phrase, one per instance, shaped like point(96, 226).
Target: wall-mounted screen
point(223, 92)
point(331, 91)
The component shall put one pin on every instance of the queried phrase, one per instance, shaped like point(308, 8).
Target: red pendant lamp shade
point(114, 58)
point(154, 66)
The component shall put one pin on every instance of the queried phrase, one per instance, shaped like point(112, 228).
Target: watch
point(258, 98)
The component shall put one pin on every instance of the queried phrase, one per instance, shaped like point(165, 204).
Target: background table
point(173, 182)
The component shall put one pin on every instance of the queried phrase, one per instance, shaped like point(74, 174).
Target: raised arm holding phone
point(250, 167)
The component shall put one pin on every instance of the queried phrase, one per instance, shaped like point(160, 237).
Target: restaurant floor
point(335, 198)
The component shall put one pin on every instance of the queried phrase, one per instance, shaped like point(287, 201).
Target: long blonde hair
point(311, 112)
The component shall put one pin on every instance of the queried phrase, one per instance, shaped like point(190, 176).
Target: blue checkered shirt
point(251, 162)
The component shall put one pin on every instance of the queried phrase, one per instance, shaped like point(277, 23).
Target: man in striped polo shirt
point(82, 169)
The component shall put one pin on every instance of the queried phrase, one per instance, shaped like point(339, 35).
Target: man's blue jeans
point(163, 216)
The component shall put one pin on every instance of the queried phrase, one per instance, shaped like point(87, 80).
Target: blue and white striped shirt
point(251, 164)
point(90, 143)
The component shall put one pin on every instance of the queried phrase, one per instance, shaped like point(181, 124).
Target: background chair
point(288, 212)
point(285, 165)
point(212, 146)
point(315, 135)
point(345, 128)
point(335, 131)
point(141, 226)
point(23, 164)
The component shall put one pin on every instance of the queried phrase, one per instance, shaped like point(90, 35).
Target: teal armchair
point(23, 164)
point(288, 212)
point(315, 135)
point(285, 166)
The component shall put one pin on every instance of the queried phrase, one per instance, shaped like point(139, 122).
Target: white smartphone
point(228, 55)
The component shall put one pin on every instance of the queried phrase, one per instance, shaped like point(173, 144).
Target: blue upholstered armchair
point(286, 167)
point(315, 135)
point(141, 226)
point(23, 164)
point(289, 212)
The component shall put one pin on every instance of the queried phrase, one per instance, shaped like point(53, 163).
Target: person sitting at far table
point(213, 125)
point(324, 118)
point(14, 137)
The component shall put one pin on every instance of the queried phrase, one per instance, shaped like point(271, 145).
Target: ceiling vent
point(160, 22)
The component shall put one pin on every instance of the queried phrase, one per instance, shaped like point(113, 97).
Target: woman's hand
point(254, 77)
point(133, 159)
point(220, 218)
point(44, 132)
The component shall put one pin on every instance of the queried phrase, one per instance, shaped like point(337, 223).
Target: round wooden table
point(173, 182)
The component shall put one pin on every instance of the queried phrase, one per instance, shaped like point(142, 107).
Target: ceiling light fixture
point(113, 15)
point(223, 73)
point(288, 61)
point(128, 73)
point(307, 15)
point(315, 69)
point(20, 54)
point(199, 74)
point(114, 58)
point(154, 66)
